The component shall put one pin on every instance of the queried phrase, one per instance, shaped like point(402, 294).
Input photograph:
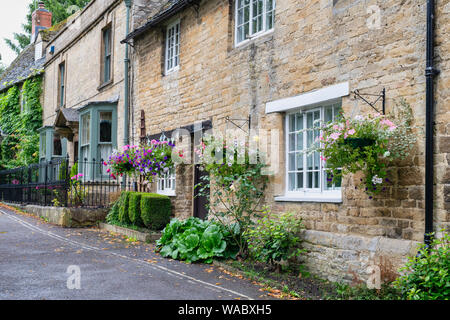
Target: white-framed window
point(172, 52)
point(307, 177)
point(253, 17)
point(166, 184)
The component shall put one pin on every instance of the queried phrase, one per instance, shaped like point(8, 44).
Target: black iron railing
point(54, 183)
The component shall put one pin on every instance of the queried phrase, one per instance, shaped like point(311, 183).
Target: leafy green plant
point(20, 145)
point(113, 214)
point(235, 185)
point(344, 291)
point(275, 238)
point(134, 209)
point(427, 275)
point(155, 210)
point(195, 240)
point(123, 207)
point(367, 144)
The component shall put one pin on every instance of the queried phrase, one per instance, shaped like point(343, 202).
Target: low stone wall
point(66, 217)
point(351, 258)
point(150, 236)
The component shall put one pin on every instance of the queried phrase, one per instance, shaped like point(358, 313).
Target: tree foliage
point(60, 9)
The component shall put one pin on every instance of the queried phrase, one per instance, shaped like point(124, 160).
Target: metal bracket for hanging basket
point(381, 96)
point(245, 121)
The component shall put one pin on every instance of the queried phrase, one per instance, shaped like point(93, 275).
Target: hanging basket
point(359, 142)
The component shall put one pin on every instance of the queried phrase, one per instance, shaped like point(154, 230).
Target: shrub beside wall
point(134, 209)
point(123, 208)
point(141, 209)
point(155, 210)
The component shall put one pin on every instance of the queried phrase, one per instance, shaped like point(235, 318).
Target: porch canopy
point(66, 123)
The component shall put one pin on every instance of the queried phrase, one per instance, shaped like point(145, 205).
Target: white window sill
point(253, 37)
point(171, 71)
point(167, 193)
point(325, 198)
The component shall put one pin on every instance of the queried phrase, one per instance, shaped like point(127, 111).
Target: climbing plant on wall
point(20, 118)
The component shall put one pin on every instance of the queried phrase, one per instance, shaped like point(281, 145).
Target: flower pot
point(359, 142)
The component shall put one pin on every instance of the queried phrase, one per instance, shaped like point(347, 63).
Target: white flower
point(377, 180)
point(386, 154)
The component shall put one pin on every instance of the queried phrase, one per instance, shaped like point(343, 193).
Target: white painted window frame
point(171, 26)
point(307, 101)
point(251, 35)
point(169, 178)
point(308, 194)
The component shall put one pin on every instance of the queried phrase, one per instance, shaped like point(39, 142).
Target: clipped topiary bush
point(134, 208)
point(123, 207)
point(155, 210)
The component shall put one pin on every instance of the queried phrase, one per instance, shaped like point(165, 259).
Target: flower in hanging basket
point(367, 144)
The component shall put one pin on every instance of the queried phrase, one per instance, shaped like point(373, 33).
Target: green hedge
point(155, 210)
point(123, 207)
point(134, 208)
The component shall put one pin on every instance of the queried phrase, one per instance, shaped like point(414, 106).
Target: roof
point(70, 114)
point(169, 9)
point(22, 68)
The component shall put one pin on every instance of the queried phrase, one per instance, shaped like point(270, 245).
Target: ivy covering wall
point(20, 138)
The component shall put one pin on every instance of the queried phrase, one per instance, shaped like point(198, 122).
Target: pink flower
point(335, 135)
point(351, 132)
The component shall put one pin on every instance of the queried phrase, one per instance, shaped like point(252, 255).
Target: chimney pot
point(41, 19)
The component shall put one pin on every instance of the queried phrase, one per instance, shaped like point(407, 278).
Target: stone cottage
point(84, 86)
point(269, 63)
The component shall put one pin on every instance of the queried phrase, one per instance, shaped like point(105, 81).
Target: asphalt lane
point(42, 261)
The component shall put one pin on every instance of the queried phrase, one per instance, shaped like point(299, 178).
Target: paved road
point(35, 257)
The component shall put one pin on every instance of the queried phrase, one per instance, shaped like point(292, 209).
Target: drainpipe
point(126, 78)
point(430, 73)
point(126, 99)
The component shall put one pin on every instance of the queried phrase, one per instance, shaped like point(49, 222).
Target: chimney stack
point(41, 19)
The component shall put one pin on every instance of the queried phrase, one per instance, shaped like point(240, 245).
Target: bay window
point(98, 137)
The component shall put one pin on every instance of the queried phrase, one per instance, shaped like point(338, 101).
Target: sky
point(12, 15)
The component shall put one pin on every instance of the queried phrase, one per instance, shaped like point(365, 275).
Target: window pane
point(85, 129)
point(292, 142)
point(105, 127)
point(43, 145)
point(57, 146)
point(300, 141)
point(85, 154)
point(299, 122)
point(292, 162)
point(300, 161)
point(328, 114)
point(291, 182)
point(104, 151)
point(300, 180)
point(309, 180)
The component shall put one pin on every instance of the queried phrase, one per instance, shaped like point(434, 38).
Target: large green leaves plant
point(194, 240)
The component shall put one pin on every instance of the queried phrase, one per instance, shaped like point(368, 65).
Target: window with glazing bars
point(253, 17)
point(172, 60)
point(306, 171)
point(106, 76)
